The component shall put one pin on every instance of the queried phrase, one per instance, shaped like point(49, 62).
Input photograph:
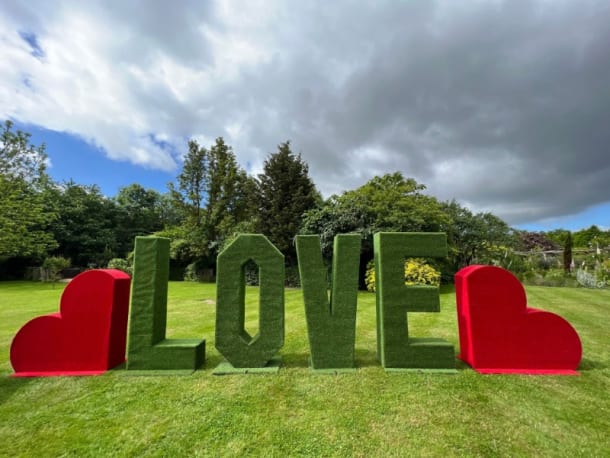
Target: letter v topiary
point(149, 350)
point(331, 325)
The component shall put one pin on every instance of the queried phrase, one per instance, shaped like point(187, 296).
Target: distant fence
point(40, 274)
point(558, 252)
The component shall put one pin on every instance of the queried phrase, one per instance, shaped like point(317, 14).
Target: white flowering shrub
point(589, 280)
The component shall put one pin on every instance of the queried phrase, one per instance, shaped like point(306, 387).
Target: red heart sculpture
point(500, 334)
point(88, 335)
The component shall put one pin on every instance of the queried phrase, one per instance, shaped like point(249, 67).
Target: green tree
point(474, 238)
point(20, 159)
point(286, 192)
point(86, 225)
point(230, 195)
point(53, 266)
point(121, 264)
point(591, 237)
point(24, 211)
point(215, 198)
point(139, 212)
point(190, 193)
point(335, 216)
point(567, 253)
point(558, 236)
point(390, 203)
point(24, 220)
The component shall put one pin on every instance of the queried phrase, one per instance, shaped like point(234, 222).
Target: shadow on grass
point(211, 361)
point(366, 358)
point(461, 365)
point(590, 365)
point(295, 360)
point(363, 358)
point(10, 385)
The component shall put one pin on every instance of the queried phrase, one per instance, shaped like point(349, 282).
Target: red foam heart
point(88, 335)
point(500, 334)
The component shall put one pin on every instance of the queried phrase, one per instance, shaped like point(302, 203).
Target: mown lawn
point(297, 412)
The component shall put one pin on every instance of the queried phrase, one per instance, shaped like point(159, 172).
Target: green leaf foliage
point(390, 203)
point(591, 237)
point(53, 266)
point(473, 238)
point(286, 192)
point(567, 253)
point(25, 213)
point(121, 264)
point(87, 225)
point(24, 219)
point(139, 211)
point(19, 158)
point(215, 197)
point(417, 272)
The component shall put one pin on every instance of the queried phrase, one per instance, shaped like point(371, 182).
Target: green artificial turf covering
point(148, 347)
point(232, 340)
point(331, 325)
point(395, 348)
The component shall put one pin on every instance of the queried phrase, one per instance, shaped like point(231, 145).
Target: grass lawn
point(297, 412)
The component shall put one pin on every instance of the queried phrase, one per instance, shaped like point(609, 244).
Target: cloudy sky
point(502, 105)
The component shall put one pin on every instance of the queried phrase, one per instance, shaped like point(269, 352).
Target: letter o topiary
point(232, 341)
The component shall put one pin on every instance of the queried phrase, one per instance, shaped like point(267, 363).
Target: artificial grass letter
point(232, 341)
point(331, 326)
point(149, 350)
point(395, 348)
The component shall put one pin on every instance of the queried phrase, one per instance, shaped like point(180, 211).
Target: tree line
point(213, 199)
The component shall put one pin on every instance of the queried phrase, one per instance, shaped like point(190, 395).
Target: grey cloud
point(504, 105)
point(153, 27)
point(523, 85)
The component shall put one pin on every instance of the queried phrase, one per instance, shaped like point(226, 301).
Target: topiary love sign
point(497, 332)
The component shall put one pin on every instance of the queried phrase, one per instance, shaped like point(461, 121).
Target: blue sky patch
point(31, 39)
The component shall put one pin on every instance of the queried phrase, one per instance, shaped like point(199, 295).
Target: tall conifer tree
point(567, 253)
point(286, 192)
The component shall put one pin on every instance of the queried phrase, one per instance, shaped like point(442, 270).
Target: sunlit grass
point(297, 412)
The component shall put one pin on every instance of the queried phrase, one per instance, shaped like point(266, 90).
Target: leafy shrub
point(602, 272)
point(369, 276)
point(291, 280)
point(120, 264)
point(417, 272)
point(190, 273)
point(552, 277)
point(251, 273)
point(52, 267)
point(597, 279)
point(556, 277)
